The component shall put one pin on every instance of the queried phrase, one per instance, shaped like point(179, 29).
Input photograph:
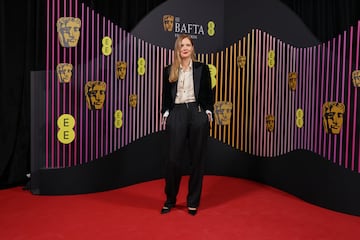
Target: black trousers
point(186, 123)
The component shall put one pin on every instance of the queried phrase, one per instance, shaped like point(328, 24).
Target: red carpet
point(231, 208)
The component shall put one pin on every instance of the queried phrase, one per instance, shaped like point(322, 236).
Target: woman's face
point(186, 48)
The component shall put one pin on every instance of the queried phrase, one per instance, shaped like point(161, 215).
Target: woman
point(187, 110)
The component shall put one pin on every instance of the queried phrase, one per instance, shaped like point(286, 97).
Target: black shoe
point(165, 210)
point(192, 211)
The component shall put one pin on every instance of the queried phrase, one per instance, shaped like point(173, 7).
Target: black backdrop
point(22, 41)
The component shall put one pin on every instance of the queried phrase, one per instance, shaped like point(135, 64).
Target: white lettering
point(177, 27)
point(201, 30)
point(189, 28)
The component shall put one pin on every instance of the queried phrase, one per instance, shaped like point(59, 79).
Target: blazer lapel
point(196, 77)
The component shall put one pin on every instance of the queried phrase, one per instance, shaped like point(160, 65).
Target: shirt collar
point(190, 65)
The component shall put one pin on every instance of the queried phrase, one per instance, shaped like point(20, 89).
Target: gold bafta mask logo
point(333, 116)
point(222, 111)
point(133, 98)
point(64, 72)
point(68, 29)
point(241, 61)
point(270, 123)
point(95, 94)
point(120, 70)
point(168, 23)
point(356, 78)
point(292, 78)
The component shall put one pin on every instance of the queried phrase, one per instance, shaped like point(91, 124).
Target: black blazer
point(202, 86)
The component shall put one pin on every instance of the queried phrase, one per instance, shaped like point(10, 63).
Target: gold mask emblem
point(95, 94)
point(68, 29)
point(292, 78)
point(222, 111)
point(133, 98)
point(120, 70)
point(333, 113)
point(168, 23)
point(270, 123)
point(241, 61)
point(64, 72)
point(356, 78)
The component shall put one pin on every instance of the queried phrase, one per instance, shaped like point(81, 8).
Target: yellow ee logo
point(141, 66)
point(271, 58)
point(66, 124)
point(118, 117)
point(106, 46)
point(211, 28)
point(299, 118)
point(213, 72)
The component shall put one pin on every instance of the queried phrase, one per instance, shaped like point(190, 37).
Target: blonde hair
point(174, 70)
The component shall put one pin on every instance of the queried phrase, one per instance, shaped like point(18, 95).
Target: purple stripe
point(160, 73)
point(291, 101)
point(317, 101)
point(128, 79)
point(75, 73)
point(116, 91)
point(290, 114)
point(133, 59)
point(92, 78)
point(321, 97)
point(326, 90)
point(262, 122)
point(100, 114)
point(295, 104)
point(144, 88)
point(355, 103)
point(272, 42)
point(286, 94)
point(81, 111)
point(330, 146)
point(95, 36)
point(109, 86)
point(108, 100)
point(87, 79)
point(266, 100)
point(47, 83)
point(57, 100)
point(321, 130)
point(271, 98)
point(64, 93)
point(337, 96)
point(123, 38)
point(70, 103)
point(313, 99)
point(342, 97)
point(348, 103)
point(110, 113)
point(53, 91)
point(307, 98)
point(139, 91)
point(154, 97)
point(255, 93)
point(294, 69)
point(154, 83)
point(276, 98)
point(121, 89)
point(282, 77)
point(298, 95)
point(260, 112)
